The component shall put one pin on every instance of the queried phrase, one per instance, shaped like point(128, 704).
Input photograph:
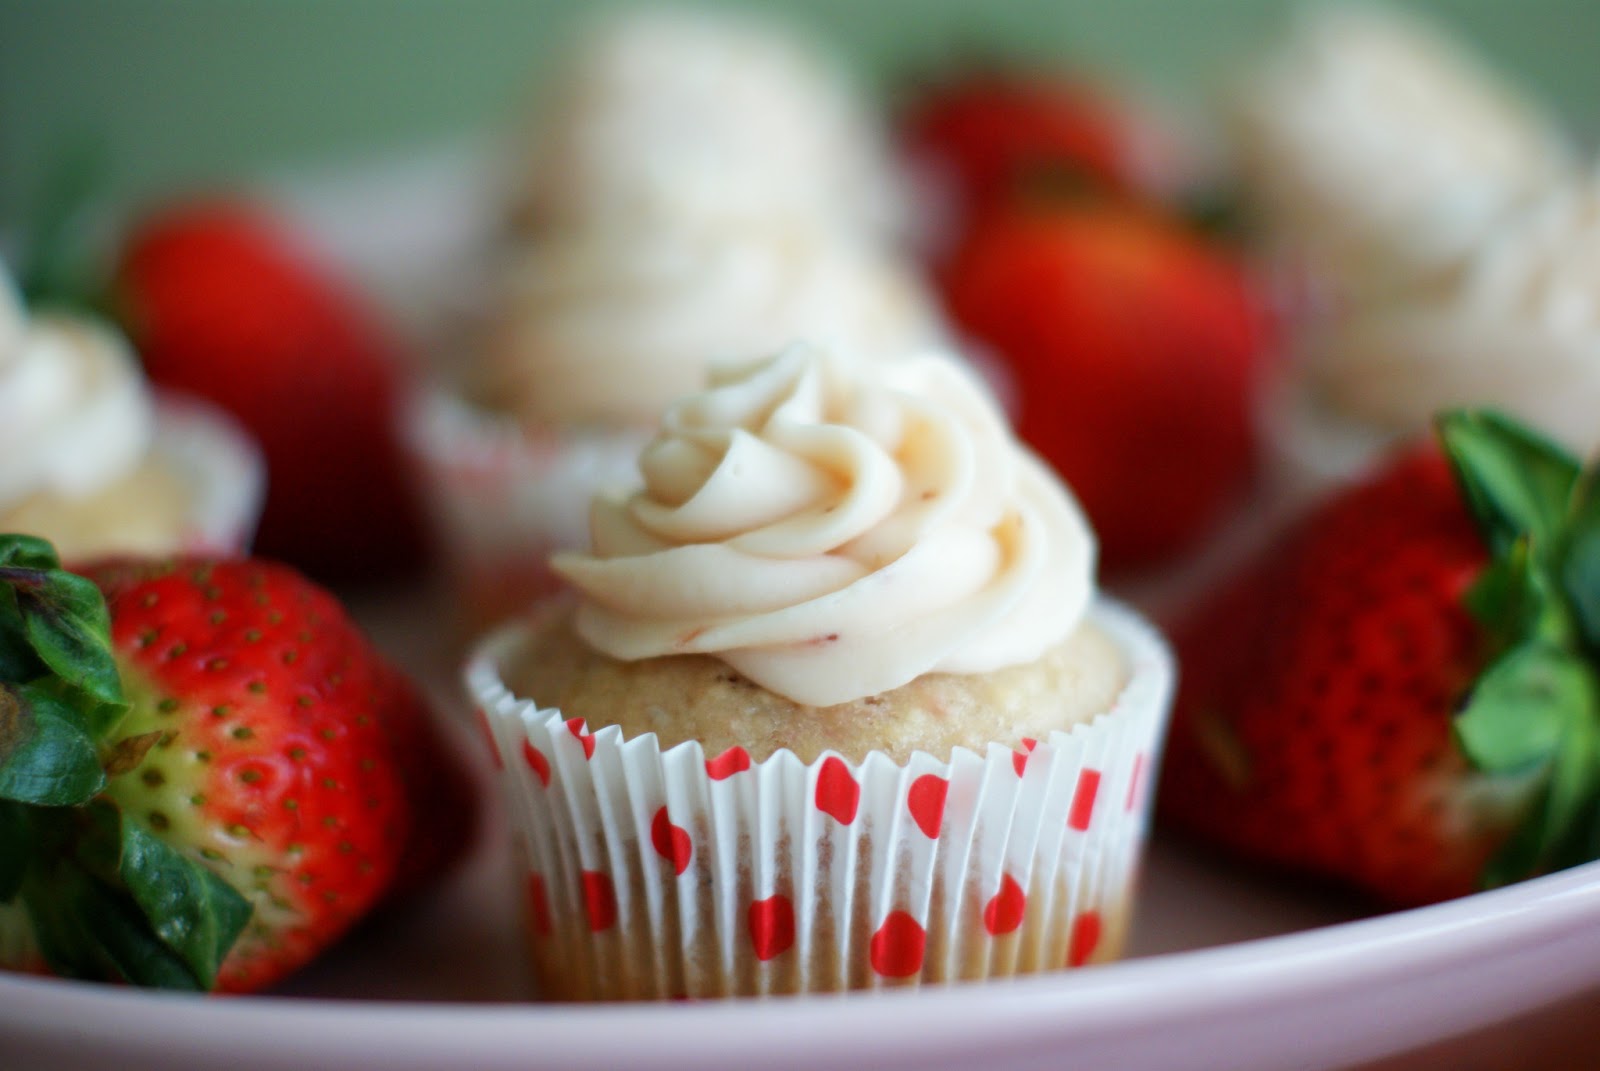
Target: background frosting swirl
point(74, 412)
point(613, 325)
point(833, 530)
point(1383, 148)
point(1516, 324)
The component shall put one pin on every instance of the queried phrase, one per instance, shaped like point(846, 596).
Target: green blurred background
point(187, 92)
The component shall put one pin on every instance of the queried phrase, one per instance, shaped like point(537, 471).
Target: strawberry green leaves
point(59, 687)
point(46, 756)
point(1534, 714)
point(1580, 565)
point(105, 897)
point(194, 912)
point(1516, 483)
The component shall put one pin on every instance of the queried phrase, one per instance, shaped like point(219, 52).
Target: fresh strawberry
point(1136, 347)
point(1401, 693)
point(199, 784)
point(981, 135)
point(221, 301)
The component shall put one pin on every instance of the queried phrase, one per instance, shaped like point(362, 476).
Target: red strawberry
point(1400, 694)
point(211, 799)
point(221, 301)
point(985, 133)
point(1136, 347)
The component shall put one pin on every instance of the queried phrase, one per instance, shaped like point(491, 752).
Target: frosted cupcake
point(676, 114)
point(597, 330)
point(1514, 324)
point(1379, 149)
point(836, 706)
point(90, 460)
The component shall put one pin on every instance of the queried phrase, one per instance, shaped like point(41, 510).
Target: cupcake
point(1515, 324)
point(836, 705)
point(669, 114)
point(92, 461)
point(597, 330)
point(1377, 148)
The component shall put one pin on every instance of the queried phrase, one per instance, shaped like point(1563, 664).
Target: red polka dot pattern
point(732, 761)
point(771, 925)
point(580, 731)
point(1083, 800)
point(599, 900)
point(1085, 938)
point(671, 842)
point(838, 795)
point(536, 762)
point(896, 950)
point(1019, 759)
point(925, 800)
point(1003, 913)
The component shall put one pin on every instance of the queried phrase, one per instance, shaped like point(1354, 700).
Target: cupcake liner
point(220, 464)
point(1313, 450)
point(654, 874)
point(503, 500)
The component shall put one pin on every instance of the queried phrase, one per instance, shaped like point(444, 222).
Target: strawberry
point(199, 779)
point(222, 302)
point(1136, 347)
point(982, 134)
point(1401, 693)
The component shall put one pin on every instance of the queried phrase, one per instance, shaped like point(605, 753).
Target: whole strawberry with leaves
point(203, 775)
point(1402, 693)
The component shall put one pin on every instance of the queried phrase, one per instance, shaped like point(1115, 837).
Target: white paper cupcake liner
point(655, 874)
point(222, 468)
point(502, 500)
point(1312, 450)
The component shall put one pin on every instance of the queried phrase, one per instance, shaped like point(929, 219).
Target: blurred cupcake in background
point(672, 114)
point(92, 460)
point(838, 706)
point(703, 189)
point(1421, 200)
point(1377, 148)
point(1514, 323)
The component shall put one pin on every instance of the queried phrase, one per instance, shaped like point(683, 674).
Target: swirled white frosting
point(1515, 325)
point(833, 530)
point(1380, 148)
point(610, 326)
point(676, 114)
point(74, 412)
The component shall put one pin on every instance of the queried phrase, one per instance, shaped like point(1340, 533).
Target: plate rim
point(1324, 961)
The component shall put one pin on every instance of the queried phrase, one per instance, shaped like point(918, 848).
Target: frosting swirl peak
point(833, 530)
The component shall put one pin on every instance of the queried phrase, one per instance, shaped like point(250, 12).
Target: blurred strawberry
point(223, 302)
point(1136, 347)
point(1401, 692)
point(981, 135)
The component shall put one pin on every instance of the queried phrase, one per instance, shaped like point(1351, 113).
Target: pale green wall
point(190, 90)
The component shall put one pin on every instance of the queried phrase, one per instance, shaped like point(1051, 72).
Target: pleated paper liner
point(502, 500)
point(221, 466)
point(653, 874)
